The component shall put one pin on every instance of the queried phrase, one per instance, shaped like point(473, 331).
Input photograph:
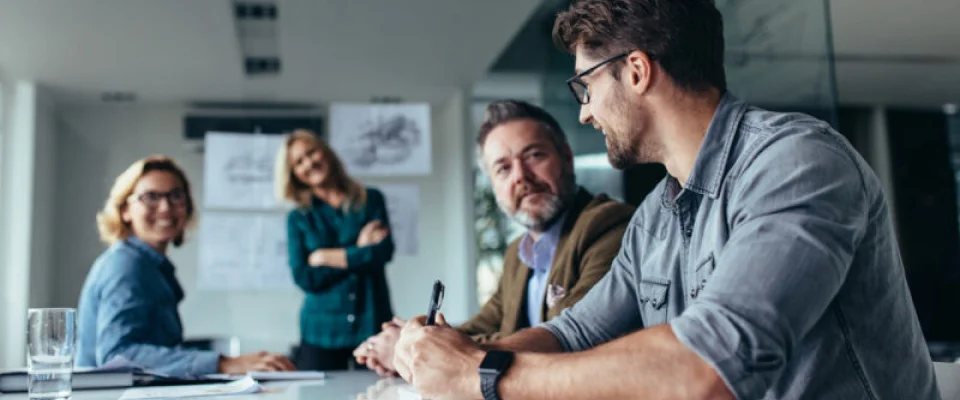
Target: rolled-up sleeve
point(609, 310)
point(796, 217)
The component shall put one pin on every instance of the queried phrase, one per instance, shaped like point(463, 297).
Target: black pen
point(436, 298)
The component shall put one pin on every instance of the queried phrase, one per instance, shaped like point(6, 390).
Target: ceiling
point(903, 52)
point(187, 50)
point(895, 52)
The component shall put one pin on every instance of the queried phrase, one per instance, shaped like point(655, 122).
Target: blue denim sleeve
point(377, 255)
point(609, 310)
point(123, 324)
point(796, 215)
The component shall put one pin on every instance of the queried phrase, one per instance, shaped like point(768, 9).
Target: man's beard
point(553, 207)
point(624, 148)
point(623, 154)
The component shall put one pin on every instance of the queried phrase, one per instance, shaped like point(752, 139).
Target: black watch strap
point(488, 386)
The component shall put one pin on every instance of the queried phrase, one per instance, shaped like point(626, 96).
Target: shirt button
point(352, 296)
point(688, 232)
point(350, 318)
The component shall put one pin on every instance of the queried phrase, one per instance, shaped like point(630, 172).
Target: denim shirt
point(128, 307)
point(538, 256)
point(776, 263)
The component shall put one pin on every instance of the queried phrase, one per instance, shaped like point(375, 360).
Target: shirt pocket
point(653, 300)
point(702, 275)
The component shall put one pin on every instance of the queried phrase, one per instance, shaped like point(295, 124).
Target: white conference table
point(366, 385)
point(348, 385)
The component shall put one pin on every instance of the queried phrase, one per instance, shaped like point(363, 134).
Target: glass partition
point(779, 56)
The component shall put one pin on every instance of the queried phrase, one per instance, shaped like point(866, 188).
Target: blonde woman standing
point(339, 243)
point(128, 305)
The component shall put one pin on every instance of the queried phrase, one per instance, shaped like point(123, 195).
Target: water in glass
point(50, 346)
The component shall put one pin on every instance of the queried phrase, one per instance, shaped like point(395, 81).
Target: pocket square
point(555, 293)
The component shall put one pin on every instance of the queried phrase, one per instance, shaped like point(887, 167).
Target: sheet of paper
point(265, 376)
point(240, 386)
point(406, 391)
point(382, 139)
point(238, 170)
point(243, 251)
point(286, 375)
point(403, 207)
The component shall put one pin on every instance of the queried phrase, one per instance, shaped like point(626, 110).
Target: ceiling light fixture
point(256, 24)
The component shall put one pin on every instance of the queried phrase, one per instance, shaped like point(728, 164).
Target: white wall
point(96, 143)
point(26, 199)
point(17, 206)
point(44, 197)
point(5, 100)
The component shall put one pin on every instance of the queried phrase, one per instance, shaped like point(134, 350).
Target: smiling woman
point(128, 306)
point(339, 244)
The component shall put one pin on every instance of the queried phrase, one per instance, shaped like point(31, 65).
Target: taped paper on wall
point(238, 170)
point(243, 251)
point(382, 139)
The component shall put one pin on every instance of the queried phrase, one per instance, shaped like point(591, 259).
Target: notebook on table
point(83, 378)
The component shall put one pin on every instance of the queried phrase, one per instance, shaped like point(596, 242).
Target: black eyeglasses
point(579, 88)
point(176, 198)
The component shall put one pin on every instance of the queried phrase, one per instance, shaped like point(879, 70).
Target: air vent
point(118, 97)
point(252, 105)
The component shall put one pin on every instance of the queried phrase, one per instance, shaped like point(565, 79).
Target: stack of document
point(244, 384)
point(240, 386)
point(115, 374)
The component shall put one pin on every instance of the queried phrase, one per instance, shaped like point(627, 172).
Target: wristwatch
point(493, 366)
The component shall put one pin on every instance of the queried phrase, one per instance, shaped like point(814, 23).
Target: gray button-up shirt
point(776, 263)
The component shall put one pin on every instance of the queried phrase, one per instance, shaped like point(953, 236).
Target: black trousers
point(313, 358)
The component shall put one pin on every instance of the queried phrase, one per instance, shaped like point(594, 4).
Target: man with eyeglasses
point(764, 265)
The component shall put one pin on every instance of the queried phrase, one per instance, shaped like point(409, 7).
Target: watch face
point(496, 361)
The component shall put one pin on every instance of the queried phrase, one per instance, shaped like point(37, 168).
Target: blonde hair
point(289, 188)
point(110, 222)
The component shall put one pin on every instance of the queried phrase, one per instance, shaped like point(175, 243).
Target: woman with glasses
point(339, 244)
point(128, 305)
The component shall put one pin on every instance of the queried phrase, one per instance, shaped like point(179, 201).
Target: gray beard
point(554, 207)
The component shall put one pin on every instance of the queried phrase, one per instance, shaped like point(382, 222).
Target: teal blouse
point(343, 307)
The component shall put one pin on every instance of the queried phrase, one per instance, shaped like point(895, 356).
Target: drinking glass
point(51, 340)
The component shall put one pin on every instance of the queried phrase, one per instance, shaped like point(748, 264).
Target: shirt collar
point(548, 239)
point(159, 260)
point(709, 168)
point(145, 248)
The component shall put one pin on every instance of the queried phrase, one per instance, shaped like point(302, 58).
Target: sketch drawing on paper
point(386, 142)
point(248, 168)
point(382, 139)
point(243, 251)
point(238, 170)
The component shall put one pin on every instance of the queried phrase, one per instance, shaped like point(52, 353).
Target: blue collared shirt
point(538, 256)
point(128, 307)
point(776, 263)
